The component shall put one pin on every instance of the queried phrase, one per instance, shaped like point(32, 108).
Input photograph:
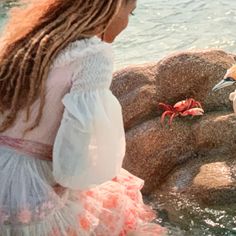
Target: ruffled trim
point(114, 208)
point(123, 208)
point(32, 205)
point(78, 49)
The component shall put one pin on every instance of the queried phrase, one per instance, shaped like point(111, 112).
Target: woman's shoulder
point(82, 48)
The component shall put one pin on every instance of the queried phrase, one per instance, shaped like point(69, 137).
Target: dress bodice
point(83, 65)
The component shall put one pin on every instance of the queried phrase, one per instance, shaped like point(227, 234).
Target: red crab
point(183, 108)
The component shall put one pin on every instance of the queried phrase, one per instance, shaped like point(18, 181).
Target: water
point(5, 5)
point(161, 27)
point(183, 216)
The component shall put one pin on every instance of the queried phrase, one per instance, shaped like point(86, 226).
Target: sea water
point(161, 27)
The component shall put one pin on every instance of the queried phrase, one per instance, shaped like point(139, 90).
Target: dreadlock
point(36, 32)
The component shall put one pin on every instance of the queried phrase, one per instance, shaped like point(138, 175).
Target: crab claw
point(172, 118)
point(193, 112)
point(193, 103)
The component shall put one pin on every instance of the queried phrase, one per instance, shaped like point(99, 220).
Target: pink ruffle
point(116, 208)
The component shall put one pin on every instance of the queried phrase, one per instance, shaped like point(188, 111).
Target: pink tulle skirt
point(32, 204)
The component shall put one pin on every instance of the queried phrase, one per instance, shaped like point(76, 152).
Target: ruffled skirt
point(32, 204)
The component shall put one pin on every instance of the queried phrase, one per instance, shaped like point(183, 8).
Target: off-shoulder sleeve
point(90, 143)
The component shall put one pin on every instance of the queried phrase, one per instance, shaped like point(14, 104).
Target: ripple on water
point(160, 27)
point(186, 217)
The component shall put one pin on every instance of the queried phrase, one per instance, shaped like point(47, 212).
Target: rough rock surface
point(176, 77)
point(153, 151)
point(193, 74)
point(208, 178)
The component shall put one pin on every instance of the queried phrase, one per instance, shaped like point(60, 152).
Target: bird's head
point(229, 79)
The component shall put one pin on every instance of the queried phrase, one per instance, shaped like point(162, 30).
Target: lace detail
point(28, 214)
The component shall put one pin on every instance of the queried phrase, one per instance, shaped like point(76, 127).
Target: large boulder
point(193, 74)
point(154, 151)
point(176, 77)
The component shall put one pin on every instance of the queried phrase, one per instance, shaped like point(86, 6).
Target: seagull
point(229, 79)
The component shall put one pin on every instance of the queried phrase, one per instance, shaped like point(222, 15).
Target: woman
point(62, 140)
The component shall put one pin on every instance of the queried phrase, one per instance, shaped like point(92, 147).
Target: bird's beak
point(224, 83)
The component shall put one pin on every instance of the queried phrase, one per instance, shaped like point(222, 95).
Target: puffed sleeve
point(90, 143)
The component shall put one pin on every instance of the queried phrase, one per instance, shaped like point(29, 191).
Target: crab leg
point(166, 113)
point(171, 118)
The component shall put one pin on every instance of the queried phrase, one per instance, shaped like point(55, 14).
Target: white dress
point(65, 177)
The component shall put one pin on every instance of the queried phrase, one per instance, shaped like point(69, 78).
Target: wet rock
point(215, 184)
point(208, 179)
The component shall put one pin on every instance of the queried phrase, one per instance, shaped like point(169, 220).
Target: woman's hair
point(36, 32)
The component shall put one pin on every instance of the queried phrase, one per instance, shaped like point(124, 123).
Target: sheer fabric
point(65, 178)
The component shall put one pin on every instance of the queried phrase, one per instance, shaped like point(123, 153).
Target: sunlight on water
point(161, 27)
point(185, 217)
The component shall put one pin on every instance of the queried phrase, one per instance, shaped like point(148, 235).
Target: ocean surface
point(161, 27)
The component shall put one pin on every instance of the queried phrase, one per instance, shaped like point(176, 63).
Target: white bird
point(229, 79)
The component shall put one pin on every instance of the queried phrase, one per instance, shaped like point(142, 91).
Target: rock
point(138, 105)
point(215, 131)
point(130, 78)
point(214, 184)
point(208, 179)
point(153, 151)
point(176, 77)
point(194, 74)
